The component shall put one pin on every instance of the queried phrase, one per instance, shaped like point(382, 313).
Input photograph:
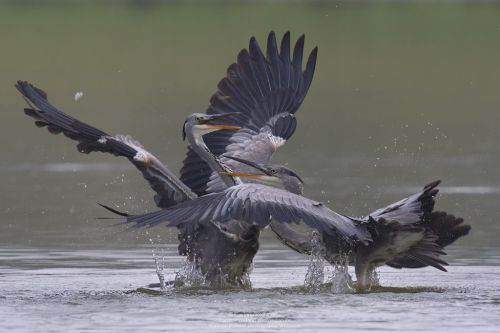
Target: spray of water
point(190, 275)
point(315, 271)
point(373, 279)
point(340, 278)
point(159, 258)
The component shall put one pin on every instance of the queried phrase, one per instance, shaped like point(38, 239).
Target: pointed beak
point(244, 174)
point(221, 115)
point(221, 126)
point(249, 163)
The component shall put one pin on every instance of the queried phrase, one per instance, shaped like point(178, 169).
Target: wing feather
point(169, 189)
point(255, 204)
point(266, 89)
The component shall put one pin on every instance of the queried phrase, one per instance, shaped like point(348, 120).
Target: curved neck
point(196, 142)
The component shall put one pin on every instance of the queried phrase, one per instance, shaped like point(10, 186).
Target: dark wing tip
point(253, 41)
point(272, 48)
point(20, 84)
point(432, 185)
point(271, 36)
point(311, 61)
point(301, 39)
point(298, 51)
point(310, 68)
point(24, 88)
point(243, 56)
point(113, 210)
point(464, 230)
point(254, 49)
point(285, 47)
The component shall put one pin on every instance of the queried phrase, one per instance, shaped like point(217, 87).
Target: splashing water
point(373, 279)
point(315, 271)
point(340, 278)
point(190, 275)
point(159, 258)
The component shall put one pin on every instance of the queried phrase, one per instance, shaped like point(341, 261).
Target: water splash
point(340, 278)
point(159, 258)
point(373, 279)
point(315, 271)
point(190, 275)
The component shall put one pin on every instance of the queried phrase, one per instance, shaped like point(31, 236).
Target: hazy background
point(404, 93)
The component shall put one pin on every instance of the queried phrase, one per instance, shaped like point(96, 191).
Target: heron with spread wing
point(275, 84)
point(214, 252)
point(405, 234)
point(218, 214)
point(252, 204)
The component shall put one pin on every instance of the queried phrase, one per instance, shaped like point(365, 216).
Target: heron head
point(202, 123)
point(270, 174)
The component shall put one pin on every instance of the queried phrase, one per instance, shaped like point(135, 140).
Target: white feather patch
point(142, 156)
point(276, 141)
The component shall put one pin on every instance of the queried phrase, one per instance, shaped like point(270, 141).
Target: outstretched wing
point(255, 204)
point(412, 210)
point(266, 90)
point(170, 190)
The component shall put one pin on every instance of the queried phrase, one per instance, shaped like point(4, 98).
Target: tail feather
point(429, 261)
point(447, 227)
point(441, 228)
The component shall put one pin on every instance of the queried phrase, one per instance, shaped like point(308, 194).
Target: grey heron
point(285, 91)
point(265, 91)
point(217, 255)
point(405, 234)
point(91, 139)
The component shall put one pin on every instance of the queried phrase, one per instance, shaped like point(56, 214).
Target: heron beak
point(220, 116)
point(249, 163)
point(264, 179)
point(217, 127)
point(222, 127)
point(244, 174)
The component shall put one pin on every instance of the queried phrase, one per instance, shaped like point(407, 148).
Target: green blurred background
point(404, 93)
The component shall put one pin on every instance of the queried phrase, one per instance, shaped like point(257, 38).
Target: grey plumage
point(220, 218)
point(255, 204)
point(169, 189)
point(266, 90)
point(221, 256)
point(407, 233)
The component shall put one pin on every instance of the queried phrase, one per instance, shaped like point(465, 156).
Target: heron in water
point(174, 191)
point(405, 234)
point(215, 253)
point(260, 94)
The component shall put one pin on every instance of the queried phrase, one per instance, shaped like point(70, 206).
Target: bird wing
point(169, 189)
point(412, 210)
point(429, 231)
point(266, 90)
point(255, 204)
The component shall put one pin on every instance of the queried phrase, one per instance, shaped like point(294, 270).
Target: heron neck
point(198, 145)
